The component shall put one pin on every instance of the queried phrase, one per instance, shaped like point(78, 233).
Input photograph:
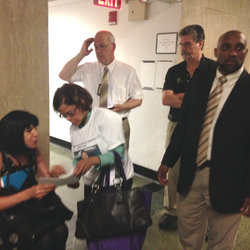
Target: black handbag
point(24, 223)
point(112, 211)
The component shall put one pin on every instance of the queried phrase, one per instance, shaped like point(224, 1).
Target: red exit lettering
point(115, 4)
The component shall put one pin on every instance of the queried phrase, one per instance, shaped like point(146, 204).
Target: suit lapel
point(234, 95)
point(203, 88)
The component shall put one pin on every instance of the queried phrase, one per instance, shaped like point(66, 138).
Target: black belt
point(124, 118)
point(171, 118)
point(206, 164)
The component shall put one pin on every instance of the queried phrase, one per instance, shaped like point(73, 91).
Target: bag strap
point(119, 171)
point(105, 172)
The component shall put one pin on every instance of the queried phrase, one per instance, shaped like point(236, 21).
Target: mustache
point(232, 57)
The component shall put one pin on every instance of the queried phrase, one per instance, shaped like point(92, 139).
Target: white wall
point(72, 21)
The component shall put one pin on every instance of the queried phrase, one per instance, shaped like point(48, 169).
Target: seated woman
point(94, 132)
point(20, 161)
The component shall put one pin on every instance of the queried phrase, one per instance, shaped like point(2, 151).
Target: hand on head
point(85, 47)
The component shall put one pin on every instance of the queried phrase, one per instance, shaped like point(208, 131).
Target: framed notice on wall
point(166, 43)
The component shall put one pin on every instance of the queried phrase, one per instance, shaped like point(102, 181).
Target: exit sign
point(114, 4)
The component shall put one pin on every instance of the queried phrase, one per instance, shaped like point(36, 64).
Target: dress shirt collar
point(231, 78)
point(110, 66)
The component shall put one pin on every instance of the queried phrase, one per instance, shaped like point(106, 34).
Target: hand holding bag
point(111, 211)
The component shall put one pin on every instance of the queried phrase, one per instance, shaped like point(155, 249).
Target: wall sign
point(166, 43)
point(113, 17)
point(114, 4)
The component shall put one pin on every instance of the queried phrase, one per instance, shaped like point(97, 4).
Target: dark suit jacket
point(229, 181)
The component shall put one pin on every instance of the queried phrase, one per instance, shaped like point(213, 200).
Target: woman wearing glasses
point(94, 133)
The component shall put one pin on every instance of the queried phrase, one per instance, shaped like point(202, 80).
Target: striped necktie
point(104, 89)
point(212, 105)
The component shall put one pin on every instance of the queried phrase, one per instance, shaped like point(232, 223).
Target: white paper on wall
point(147, 74)
point(162, 67)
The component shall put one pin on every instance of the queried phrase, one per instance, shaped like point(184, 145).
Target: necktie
point(104, 89)
point(212, 105)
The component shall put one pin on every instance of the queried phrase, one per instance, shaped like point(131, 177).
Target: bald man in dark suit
point(216, 192)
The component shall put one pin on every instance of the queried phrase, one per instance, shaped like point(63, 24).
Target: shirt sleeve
point(108, 158)
point(169, 80)
point(78, 75)
point(136, 88)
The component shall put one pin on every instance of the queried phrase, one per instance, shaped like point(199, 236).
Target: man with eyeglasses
point(124, 88)
point(212, 138)
point(177, 78)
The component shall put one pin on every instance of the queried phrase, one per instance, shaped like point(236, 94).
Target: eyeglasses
point(102, 46)
point(68, 114)
point(186, 44)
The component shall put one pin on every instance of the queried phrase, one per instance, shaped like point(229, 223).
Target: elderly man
point(111, 83)
point(212, 138)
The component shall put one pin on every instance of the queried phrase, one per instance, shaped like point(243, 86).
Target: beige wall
point(24, 61)
point(217, 17)
point(24, 49)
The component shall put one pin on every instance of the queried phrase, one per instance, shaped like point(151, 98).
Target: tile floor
point(156, 239)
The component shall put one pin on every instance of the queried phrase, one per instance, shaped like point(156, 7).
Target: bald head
point(232, 33)
point(104, 43)
point(107, 34)
point(231, 51)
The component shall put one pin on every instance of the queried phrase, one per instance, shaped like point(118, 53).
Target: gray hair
point(195, 30)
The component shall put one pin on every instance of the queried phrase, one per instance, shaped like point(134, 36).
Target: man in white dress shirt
point(124, 88)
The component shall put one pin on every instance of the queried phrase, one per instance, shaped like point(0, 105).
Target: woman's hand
point(57, 170)
point(83, 166)
point(74, 186)
point(40, 190)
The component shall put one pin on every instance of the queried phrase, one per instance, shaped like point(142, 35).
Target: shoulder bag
point(112, 211)
point(24, 223)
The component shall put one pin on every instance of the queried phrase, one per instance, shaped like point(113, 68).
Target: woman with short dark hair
point(95, 133)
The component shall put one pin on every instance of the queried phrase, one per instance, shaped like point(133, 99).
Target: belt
point(171, 118)
point(206, 164)
point(124, 118)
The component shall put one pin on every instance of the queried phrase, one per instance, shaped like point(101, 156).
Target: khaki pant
point(126, 130)
point(170, 191)
point(196, 217)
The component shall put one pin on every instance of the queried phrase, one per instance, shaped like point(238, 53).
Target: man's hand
point(162, 175)
point(129, 104)
point(172, 99)
point(245, 209)
point(117, 108)
point(71, 66)
point(85, 51)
